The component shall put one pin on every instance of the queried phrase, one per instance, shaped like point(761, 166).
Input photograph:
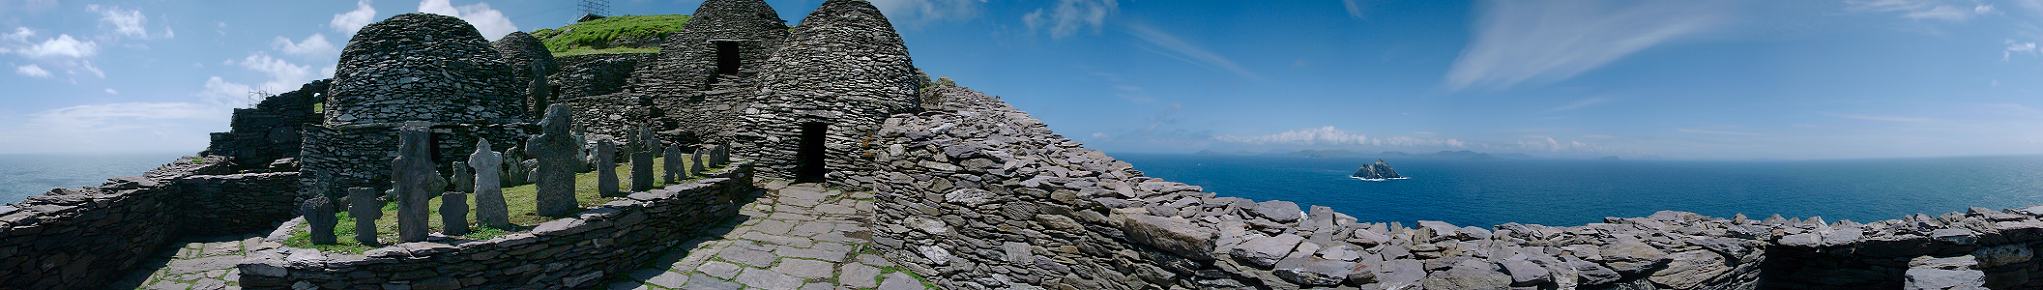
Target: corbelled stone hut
point(724, 37)
point(411, 67)
point(822, 96)
point(526, 54)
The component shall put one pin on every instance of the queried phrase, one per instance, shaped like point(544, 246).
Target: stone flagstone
point(362, 204)
point(784, 242)
point(556, 150)
point(410, 178)
point(490, 209)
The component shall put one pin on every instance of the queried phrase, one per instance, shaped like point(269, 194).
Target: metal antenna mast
point(595, 7)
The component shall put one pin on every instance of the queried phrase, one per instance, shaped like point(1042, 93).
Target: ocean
point(24, 175)
point(1573, 192)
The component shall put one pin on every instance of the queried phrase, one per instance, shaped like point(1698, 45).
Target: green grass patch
point(596, 36)
point(613, 50)
point(522, 201)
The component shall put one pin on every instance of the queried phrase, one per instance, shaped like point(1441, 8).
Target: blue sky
point(1636, 79)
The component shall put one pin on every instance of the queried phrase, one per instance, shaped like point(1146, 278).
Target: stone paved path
point(799, 236)
point(202, 264)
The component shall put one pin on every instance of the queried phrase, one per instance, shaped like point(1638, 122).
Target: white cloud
point(20, 34)
point(1071, 15)
point(1715, 132)
point(32, 70)
point(924, 11)
point(349, 22)
point(315, 45)
point(130, 127)
point(282, 76)
point(61, 46)
point(1549, 144)
point(1327, 135)
point(489, 21)
point(112, 92)
point(1921, 9)
point(1174, 47)
point(1354, 8)
point(2017, 48)
point(1526, 42)
point(126, 22)
point(1880, 118)
point(222, 92)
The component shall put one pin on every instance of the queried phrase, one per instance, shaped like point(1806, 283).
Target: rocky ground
point(206, 263)
point(801, 236)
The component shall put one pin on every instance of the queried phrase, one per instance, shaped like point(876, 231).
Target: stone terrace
point(800, 236)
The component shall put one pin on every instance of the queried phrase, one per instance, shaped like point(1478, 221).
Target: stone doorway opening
point(727, 61)
point(810, 155)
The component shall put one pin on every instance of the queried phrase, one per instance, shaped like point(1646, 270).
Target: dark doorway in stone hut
point(727, 61)
point(809, 157)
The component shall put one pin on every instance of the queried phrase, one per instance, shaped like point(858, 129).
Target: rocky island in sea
point(1379, 171)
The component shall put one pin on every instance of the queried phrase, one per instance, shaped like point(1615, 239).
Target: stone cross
point(319, 219)
point(514, 166)
point(538, 91)
point(606, 168)
point(581, 135)
point(490, 209)
point(464, 181)
point(454, 214)
point(672, 165)
point(556, 150)
point(695, 162)
point(362, 204)
point(411, 177)
point(642, 150)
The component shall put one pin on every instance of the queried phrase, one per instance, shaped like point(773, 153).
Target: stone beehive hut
point(526, 54)
point(825, 92)
point(724, 37)
point(411, 67)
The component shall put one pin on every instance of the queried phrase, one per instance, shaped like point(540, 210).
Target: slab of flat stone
point(366, 209)
point(770, 280)
point(857, 275)
point(671, 165)
point(700, 282)
point(320, 219)
point(805, 268)
point(668, 279)
point(719, 269)
point(557, 152)
point(748, 256)
point(899, 281)
point(454, 213)
point(411, 177)
point(642, 150)
point(606, 168)
point(490, 209)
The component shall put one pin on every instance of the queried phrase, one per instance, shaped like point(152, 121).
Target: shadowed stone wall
point(337, 158)
point(423, 67)
point(575, 252)
point(594, 74)
point(86, 237)
point(522, 53)
point(688, 59)
point(269, 131)
point(845, 67)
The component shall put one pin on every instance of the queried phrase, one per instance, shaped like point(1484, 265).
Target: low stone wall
point(85, 237)
point(613, 115)
point(565, 253)
point(986, 197)
point(269, 131)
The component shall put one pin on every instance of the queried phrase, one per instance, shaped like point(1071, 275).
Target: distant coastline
point(29, 174)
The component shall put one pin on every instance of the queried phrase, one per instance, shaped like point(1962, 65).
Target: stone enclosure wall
point(986, 197)
point(574, 252)
point(83, 238)
point(594, 74)
point(336, 158)
point(269, 131)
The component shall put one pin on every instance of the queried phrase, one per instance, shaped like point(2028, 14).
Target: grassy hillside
point(615, 34)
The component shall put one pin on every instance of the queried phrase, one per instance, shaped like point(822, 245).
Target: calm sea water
point(1571, 192)
point(24, 175)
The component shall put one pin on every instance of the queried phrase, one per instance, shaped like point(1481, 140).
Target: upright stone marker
point(514, 166)
point(673, 165)
point(695, 162)
point(411, 175)
point(642, 149)
point(606, 168)
point(463, 180)
point(556, 150)
point(319, 219)
point(720, 156)
point(490, 209)
point(362, 204)
point(454, 213)
point(582, 161)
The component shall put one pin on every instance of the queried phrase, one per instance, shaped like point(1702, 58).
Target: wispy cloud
point(1354, 8)
point(917, 12)
point(62, 46)
point(32, 70)
point(1578, 104)
point(127, 22)
point(127, 126)
point(1070, 16)
point(1715, 132)
point(1174, 47)
point(349, 22)
point(315, 45)
point(1922, 9)
point(2015, 48)
point(492, 23)
point(1518, 42)
point(1332, 136)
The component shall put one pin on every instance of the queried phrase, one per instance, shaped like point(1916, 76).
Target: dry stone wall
point(574, 252)
point(528, 59)
point(83, 238)
point(336, 158)
point(687, 62)
point(269, 131)
point(594, 74)
point(845, 67)
point(986, 197)
point(423, 67)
